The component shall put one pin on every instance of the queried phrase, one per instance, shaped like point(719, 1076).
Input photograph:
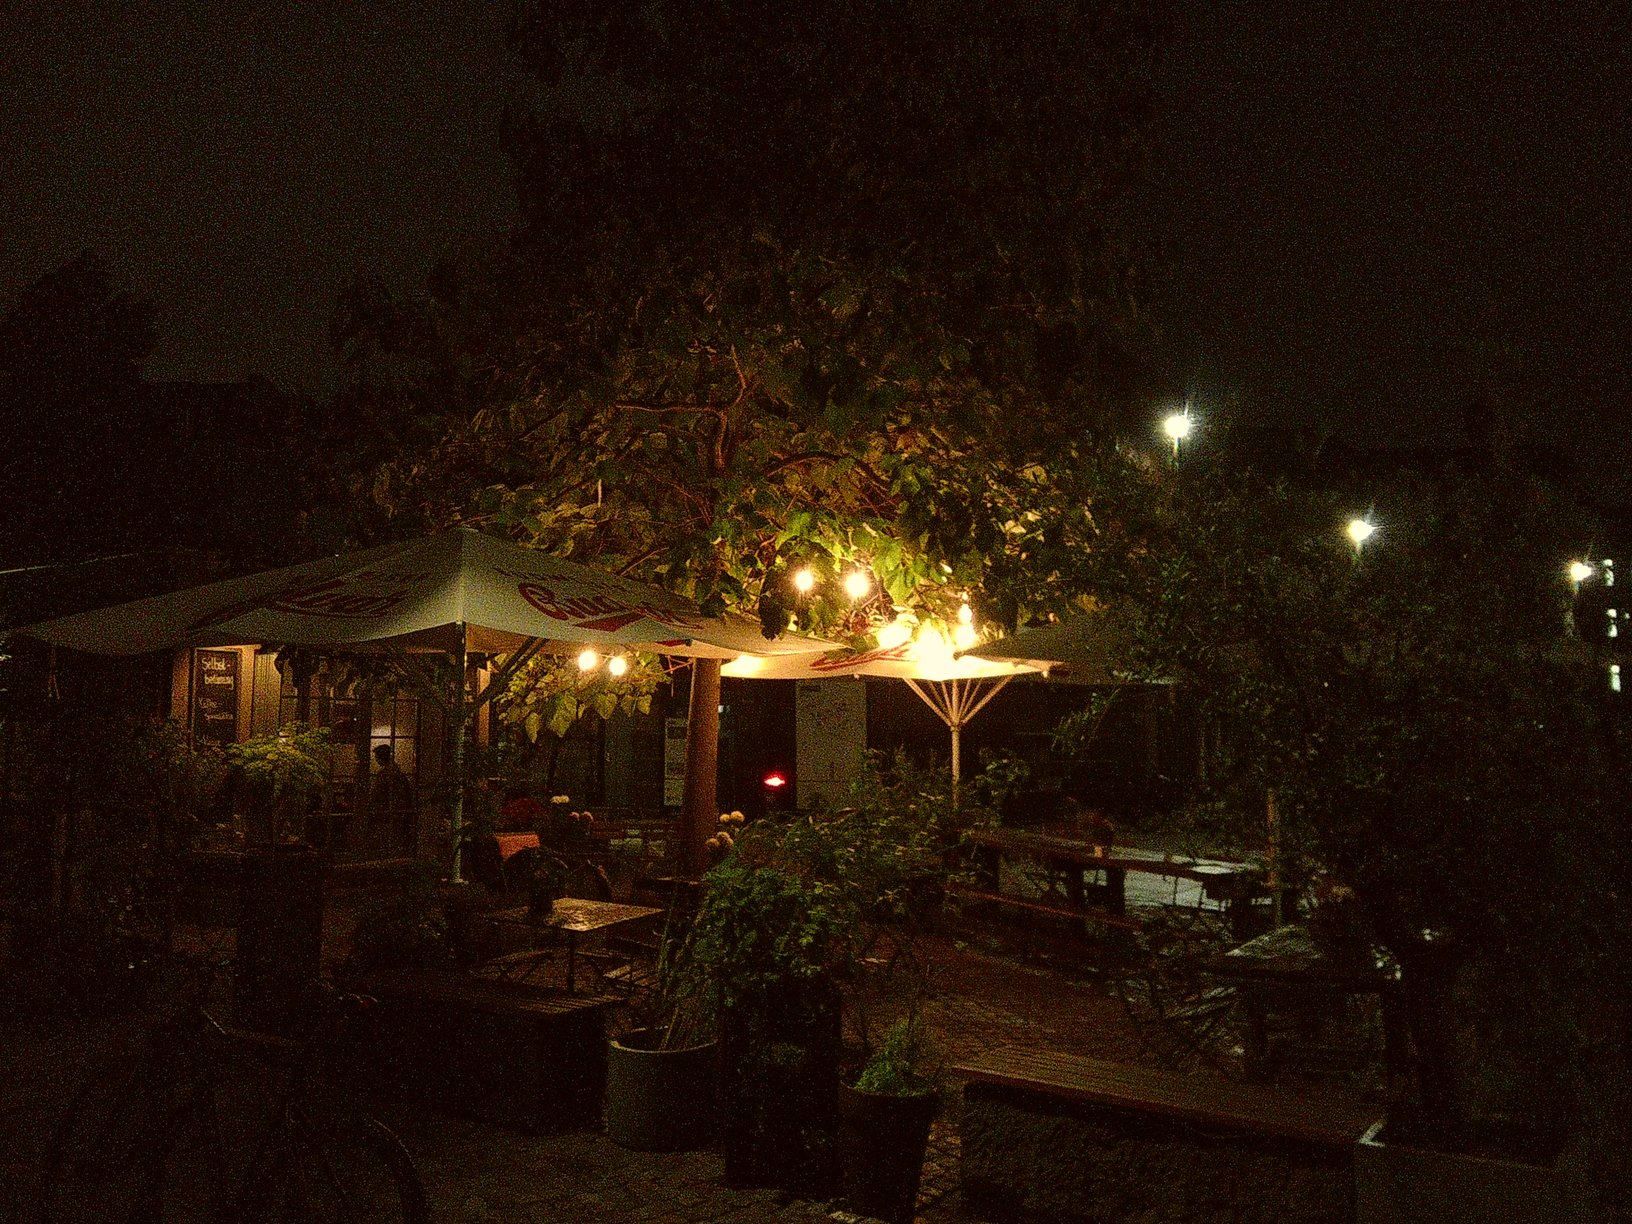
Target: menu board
point(215, 696)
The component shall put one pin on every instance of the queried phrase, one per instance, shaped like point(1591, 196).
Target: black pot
point(660, 1100)
point(779, 1067)
point(882, 1140)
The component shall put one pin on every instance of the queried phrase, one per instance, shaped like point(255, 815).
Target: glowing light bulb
point(931, 645)
point(857, 584)
point(965, 636)
point(1178, 425)
point(617, 665)
point(588, 660)
point(894, 634)
point(1360, 530)
point(804, 582)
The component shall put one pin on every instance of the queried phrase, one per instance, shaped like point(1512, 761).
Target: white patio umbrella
point(457, 592)
point(955, 688)
point(1088, 649)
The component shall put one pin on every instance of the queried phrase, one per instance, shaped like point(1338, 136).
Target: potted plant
point(884, 1121)
point(800, 904)
point(662, 1074)
point(278, 776)
point(547, 885)
point(762, 953)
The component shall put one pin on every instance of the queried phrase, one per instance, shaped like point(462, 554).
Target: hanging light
point(617, 665)
point(931, 645)
point(894, 634)
point(858, 584)
point(588, 660)
point(804, 581)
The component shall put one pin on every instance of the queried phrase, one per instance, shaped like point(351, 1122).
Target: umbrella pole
point(456, 758)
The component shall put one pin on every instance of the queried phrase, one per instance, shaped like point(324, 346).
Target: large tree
point(72, 347)
point(827, 284)
point(1437, 744)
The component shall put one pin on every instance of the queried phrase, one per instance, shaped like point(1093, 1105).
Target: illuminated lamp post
point(1178, 426)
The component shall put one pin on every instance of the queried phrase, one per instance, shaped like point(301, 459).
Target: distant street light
point(1360, 530)
point(1177, 427)
point(1580, 571)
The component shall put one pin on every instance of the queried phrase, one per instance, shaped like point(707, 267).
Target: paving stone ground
point(986, 992)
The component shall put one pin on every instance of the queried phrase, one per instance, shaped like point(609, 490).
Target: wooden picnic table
point(1287, 970)
point(1071, 858)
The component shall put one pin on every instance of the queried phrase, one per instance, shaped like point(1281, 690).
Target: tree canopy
point(1437, 743)
point(830, 284)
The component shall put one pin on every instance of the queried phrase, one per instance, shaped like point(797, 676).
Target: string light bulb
point(896, 633)
point(858, 584)
point(617, 665)
point(588, 659)
point(804, 581)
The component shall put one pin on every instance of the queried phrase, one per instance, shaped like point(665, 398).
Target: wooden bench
point(499, 1051)
point(1034, 905)
point(1053, 1136)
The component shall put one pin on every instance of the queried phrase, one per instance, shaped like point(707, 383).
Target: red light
point(775, 781)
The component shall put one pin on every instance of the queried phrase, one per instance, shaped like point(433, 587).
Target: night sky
point(1370, 214)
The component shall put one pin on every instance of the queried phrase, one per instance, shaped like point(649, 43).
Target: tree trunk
point(1428, 972)
point(700, 811)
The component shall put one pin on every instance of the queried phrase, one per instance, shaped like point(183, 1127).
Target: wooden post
point(1272, 853)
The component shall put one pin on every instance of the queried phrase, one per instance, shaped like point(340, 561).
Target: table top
point(509, 843)
point(1058, 844)
point(1291, 953)
point(576, 914)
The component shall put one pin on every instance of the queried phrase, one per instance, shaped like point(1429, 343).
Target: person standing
point(392, 811)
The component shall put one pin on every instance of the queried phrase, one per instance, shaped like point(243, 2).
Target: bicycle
point(179, 1130)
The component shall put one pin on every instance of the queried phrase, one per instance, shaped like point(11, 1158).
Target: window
point(373, 809)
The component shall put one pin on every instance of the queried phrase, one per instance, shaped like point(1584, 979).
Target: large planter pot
point(1400, 1183)
point(881, 1147)
point(660, 1100)
point(780, 1071)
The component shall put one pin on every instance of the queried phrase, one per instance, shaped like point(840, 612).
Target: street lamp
point(1360, 530)
point(1177, 427)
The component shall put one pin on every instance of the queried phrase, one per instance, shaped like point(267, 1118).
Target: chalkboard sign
point(215, 696)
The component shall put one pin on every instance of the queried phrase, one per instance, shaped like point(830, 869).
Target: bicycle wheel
point(184, 1180)
point(345, 1170)
point(101, 1150)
